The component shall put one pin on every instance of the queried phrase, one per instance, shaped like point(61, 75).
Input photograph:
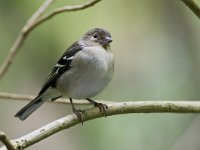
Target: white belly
point(90, 73)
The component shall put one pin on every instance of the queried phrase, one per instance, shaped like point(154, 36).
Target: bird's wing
point(61, 66)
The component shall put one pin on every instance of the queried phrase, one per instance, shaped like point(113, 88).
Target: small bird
point(82, 72)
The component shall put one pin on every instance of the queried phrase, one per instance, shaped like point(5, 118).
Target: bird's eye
point(95, 35)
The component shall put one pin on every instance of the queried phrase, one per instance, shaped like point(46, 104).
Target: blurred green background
point(157, 53)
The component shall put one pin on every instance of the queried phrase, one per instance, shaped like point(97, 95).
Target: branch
point(39, 12)
point(21, 38)
point(6, 141)
point(63, 9)
point(12, 96)
point(193, 5)
point(113, 109)
point(33, 22)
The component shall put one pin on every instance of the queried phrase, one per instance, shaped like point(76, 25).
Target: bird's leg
point(102, 107)
point(77, 112)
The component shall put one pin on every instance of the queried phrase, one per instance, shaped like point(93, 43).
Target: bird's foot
point(102, 107)
point(79, 114)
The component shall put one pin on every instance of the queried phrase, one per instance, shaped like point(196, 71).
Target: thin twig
point(64, 9)
point(21, 38)
point(6, 141)
point(193, 5)
point(39, 12)
point(12, 96)
point(33, 22)
point(113, 109)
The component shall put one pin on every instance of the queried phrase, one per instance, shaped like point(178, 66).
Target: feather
point(61, 66)
point(29, 108)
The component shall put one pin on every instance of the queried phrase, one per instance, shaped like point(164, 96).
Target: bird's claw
point(102, 107)
point(79, 114)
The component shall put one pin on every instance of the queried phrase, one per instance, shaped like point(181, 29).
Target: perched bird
point(82, 72)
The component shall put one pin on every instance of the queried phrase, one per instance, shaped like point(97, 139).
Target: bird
point(82, 72)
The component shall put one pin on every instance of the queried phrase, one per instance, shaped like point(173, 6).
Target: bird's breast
point(91, 71)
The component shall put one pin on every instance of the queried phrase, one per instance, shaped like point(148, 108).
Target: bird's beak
point(106, 41)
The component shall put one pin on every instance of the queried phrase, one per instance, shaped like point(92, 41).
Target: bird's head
point(97, 37)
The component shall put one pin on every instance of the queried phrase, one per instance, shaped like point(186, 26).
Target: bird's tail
point(30, 108)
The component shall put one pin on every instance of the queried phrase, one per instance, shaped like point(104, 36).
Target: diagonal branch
point(21, 38)
point(63, 9)
point(39, 12)
point(33, 22)
point(193, 5)
point(113, 109)
point(5, 140)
